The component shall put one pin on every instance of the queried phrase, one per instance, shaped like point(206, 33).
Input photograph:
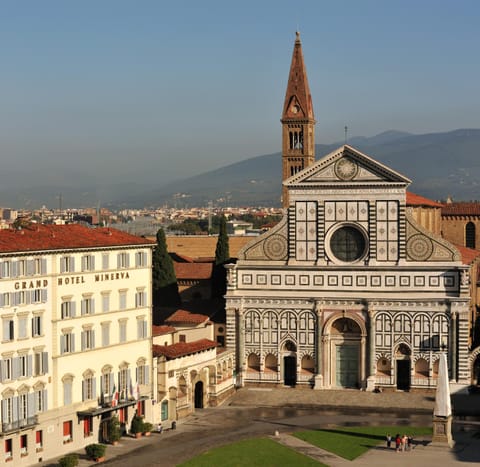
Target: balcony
point(28, 422)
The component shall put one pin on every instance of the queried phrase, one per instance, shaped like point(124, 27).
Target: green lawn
point(261, 452)
point(352, 442)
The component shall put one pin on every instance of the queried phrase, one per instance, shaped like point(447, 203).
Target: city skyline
point(120, 86)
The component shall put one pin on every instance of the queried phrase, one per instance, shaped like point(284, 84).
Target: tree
point(164, 281)
point(222, 256)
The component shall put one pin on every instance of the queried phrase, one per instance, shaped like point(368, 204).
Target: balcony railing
point(18, 424)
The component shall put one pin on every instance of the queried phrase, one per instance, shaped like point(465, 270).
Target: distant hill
point(439, 164)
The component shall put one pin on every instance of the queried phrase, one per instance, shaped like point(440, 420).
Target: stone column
point(240, 347)
point(453, 345)
point(318, 348)
point(371, 350)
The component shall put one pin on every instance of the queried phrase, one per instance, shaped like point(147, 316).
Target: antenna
point(346, 130)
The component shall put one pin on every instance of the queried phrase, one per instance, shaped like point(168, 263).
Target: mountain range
point(439, 164)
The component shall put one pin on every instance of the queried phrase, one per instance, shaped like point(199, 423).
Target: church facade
point(347, 291)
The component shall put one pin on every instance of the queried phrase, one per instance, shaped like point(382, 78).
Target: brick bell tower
point(298, 121)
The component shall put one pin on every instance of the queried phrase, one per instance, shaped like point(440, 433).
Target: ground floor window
point(67, 432)
point(8, 449)
point(39, 440)
point(87, 427)
point(140, 408)
point(164, 410)
point(23, 445)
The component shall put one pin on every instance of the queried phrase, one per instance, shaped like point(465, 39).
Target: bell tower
point(298, 121)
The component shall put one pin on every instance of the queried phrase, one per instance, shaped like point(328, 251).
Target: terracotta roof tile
point(181, 349)
point(193, 270)
point(468, 254)
point(161, 330)
point(417, 200)
point(38, 237)
point(471, 208)
point(185, 317)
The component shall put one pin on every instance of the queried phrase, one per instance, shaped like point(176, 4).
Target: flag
point(114, 396)
point(137, 392)
point(131, 389)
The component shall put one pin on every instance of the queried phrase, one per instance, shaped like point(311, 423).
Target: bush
point(70, 460)
point(147, 427)
point(114, 430)
point(136, 425)
point(94, 451)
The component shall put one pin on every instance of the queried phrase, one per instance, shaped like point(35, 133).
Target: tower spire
point(298, 120)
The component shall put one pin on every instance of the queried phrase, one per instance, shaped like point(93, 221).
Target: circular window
point(348, 244)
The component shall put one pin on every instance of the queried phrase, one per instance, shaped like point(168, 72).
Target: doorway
point(290, 370)
point(347, 366)
point(403, 375)
point(199, 395)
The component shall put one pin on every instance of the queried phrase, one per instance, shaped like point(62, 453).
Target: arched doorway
point(402, 359)
point(199, 395)
point(346, 339)
point(289, 364)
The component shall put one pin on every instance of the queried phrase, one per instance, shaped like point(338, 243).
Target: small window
point(470, 235)
point(8, 330)
point(67, 432)
point(182, 338)
point(39, 440)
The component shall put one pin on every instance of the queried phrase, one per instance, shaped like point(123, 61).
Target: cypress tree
point(222, 255)
point(164, 281)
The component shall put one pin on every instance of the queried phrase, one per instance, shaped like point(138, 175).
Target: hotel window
point(36, 296)
point(67, 432)
point(40, 400)
point(123, 260)
point(88, 263)
point(105, 302)
point(5, 269)
point(37, 326)
point(143, 371)
point(39, 440)
point(67, 264)
point(122, 327)
point(6, 367)
point(140, 299)
point(24, 363)
point(8, 448)
point(105, 334)
point(8, 330)
point(23, 406)
point(122, 299)
point(88, 387)
point(106, 382)
point(22, 327)
point(123, 382)
point(68, 309)
point(87, 427)
point(7, 410)
point(142, 332)
point(23, 445)
point(5, 299)
point(88, 306)
point(67, 342)
point(105, 261)
point(67, 390)
point(22, 267)
point(88, 339)
point(140, 259)
point(39, 266)
point(40, 363)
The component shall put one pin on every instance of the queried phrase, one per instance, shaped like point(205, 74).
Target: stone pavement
point(205, 424)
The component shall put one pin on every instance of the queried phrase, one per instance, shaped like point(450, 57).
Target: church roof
point(468, 254)
point(298, 100)
point(417, 200)
point(470, 208)
point(180, 349)
point(40, 237)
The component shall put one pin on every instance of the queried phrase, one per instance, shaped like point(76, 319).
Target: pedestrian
point(159, 428)
point(404, 442)
point(409, 442)
point(389, 441)
point(398, 441)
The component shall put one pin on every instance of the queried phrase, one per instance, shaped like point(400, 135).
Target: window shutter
point(15, 402)
point(4, 410)
point(2, 269)
point(129, 379)
point(6, 330)
point(14, 269)
point(147, 374)
point(73, 342)
point(73, 309)
point(2, 370)
point(62, 344)
point(93, 339)
point(45, 400)
point(139, 329)
point(63, 262)
point(127, 260)
point(110, 375)
point(84, 263)
point(72, 263)
point(119, 260)
point(44, 295)
point(84, 391)
point(94, 388)
point(105, 261)
point(31, 405)
point(15, 367)
point(67, 393)
point(93, 262)
point(144, 323)
point(83, 336)
point(28, 298)
point(43, 266)
point(45, 362)
point(83, 306)
point(144, 255)
point(30, 267)
point(2, 299)
point(92, 302)
point(22, 327)
point(29, 365)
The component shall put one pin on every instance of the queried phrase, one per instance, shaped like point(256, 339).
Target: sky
point(121, 85)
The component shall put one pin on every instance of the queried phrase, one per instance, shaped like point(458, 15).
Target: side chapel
point(347, 291)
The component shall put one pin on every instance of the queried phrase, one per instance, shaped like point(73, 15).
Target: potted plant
point(96, 451)
point(147, 428)
point(114, 431)
point(70, 460)
point(136, 427)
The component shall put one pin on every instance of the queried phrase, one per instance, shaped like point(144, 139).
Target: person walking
point(389, 441)
point(404, 442)
point(398, 442)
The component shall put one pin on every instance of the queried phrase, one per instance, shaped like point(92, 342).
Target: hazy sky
point(200, 84)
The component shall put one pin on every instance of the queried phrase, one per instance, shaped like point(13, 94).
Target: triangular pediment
point(349, 166)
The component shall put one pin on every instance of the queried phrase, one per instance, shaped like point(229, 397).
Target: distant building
point(75, 306)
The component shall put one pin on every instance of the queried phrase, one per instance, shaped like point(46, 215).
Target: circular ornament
point(275, 247)
point(419, 248)
point(346, 169)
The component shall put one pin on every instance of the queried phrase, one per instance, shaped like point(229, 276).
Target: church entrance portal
point(290, 370)
point(403, 374)
point(347, 366)
point(199, 395)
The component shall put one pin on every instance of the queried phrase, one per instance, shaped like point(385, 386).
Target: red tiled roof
point(468, 254)
point(161, 330)
point(185, 317)
point(181, 349)
point(38, 237)
point(417, 200)
point(193, 270)
point(471, 208)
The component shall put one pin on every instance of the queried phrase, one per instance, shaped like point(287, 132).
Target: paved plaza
point(277, 413)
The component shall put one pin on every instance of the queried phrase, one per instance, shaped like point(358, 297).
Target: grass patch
point(352, 442)
point(261, 452)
